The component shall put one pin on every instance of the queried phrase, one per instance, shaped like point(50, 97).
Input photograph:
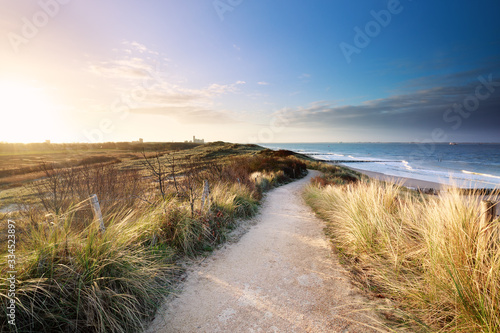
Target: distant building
point(47, 142)
point(141, 140)
point(195, 140)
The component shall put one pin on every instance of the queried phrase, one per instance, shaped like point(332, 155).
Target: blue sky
point(250, 71)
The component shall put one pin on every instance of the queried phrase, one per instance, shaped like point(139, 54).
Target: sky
point(257, 71)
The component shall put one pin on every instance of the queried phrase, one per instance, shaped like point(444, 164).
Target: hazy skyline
point(250, 71)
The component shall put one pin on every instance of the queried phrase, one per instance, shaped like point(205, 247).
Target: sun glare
point(28, 115)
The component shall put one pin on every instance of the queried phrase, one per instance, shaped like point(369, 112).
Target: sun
point(28, 114)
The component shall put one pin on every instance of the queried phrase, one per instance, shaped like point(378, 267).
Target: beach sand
point(408, 182)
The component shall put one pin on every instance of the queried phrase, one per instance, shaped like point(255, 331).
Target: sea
point(466, 165)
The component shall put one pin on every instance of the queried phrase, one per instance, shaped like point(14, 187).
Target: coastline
point(466, 166)
point(407, 182)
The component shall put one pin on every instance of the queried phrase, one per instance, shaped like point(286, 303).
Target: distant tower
point(195, 140)
point(141, 140)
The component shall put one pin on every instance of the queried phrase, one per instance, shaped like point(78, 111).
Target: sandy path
point(281, 276)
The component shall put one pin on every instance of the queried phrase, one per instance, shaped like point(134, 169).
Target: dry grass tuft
point(430, 254)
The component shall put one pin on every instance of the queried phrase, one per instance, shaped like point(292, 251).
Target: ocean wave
point(480, 174)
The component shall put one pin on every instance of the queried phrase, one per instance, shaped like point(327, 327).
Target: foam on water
point(404, 169)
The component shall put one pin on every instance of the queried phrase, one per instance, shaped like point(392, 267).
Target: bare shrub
point(55, 191)
point(116, 189)
point(190, 183)
point(62, 188)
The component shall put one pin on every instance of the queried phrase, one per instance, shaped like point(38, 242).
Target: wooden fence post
point(489, 236)
point(487, 212)
point(206, 194)
point(97, 212)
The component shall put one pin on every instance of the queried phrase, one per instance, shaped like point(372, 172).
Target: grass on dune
point(429, 254)
point(88, 281)
point(72, 277)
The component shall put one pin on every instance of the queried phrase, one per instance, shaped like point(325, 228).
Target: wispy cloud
point(138, 47)
point(127, 68)
point(422, 109)
point(162, 95)
point(190, 115)
point(455, 78)
point(263, 83)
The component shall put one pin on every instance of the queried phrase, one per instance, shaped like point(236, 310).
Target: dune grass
point(88, 281)
point(431, 255)
point(73, 277)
